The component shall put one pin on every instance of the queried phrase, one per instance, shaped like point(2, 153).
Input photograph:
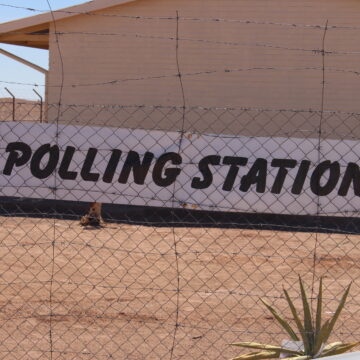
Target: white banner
point(202, 171)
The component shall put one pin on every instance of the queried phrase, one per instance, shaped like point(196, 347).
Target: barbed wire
point(189, 108)
point(189, 74)
point(197, 19)
point(217, 294)
point(199, 205)
point(179, 278)
point(200, 252)
point(320, 129)
point(173, 199)
point(53, 244)
point(183, 223)
point(226, 43)
point(205, 41)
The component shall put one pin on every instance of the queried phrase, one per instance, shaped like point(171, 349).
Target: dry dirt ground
point(120, 292)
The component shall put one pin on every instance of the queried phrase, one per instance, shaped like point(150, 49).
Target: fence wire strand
point(174, 273)
point(125, 282)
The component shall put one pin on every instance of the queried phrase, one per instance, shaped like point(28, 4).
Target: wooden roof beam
point(23, 61)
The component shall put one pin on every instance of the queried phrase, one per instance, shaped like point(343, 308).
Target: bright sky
point(11, 70)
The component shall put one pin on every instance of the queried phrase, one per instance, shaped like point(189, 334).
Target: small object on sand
point(93, 217)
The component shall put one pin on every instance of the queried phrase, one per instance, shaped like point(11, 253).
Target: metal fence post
point(41, 105)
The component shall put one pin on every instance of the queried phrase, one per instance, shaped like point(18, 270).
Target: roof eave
point(60, 14)
point(28, 43)
point(34, 36)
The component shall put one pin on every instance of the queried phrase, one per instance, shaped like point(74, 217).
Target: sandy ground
point(112, 293)
point(121, 293)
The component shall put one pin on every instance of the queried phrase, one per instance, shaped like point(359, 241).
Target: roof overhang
point(34, 31)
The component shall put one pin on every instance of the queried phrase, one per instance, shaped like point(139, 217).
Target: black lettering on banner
point(140, 169)
point(20, 154)
point(170, 174)
point(64, 172)
point(111, 166)
point(352, 175)
point(301, 177)
point(234, 163)
point(334, 174)
point(198, 183)
point(86, 173)
point(35, 164)
point(283, 165)
point(256, 175)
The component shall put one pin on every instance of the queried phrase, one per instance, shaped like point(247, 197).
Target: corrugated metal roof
point(33, 31)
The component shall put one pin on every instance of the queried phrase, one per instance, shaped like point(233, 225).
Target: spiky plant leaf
point(319, 330)
point(259, 355)
point(298, 322)
point(337, 313)
point(253, 345)
point(320, 339)
point(319, 310)
point(330, 346)
point(314, 336)
point(339, 349)
point(308, 324)
point(281, 321)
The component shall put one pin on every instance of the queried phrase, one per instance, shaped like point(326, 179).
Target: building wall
point(271, 74)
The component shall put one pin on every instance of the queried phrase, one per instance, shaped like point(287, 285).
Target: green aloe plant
point(311, 332)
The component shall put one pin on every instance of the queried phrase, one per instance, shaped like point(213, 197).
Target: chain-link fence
point(22, 110)
point(178, 269)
